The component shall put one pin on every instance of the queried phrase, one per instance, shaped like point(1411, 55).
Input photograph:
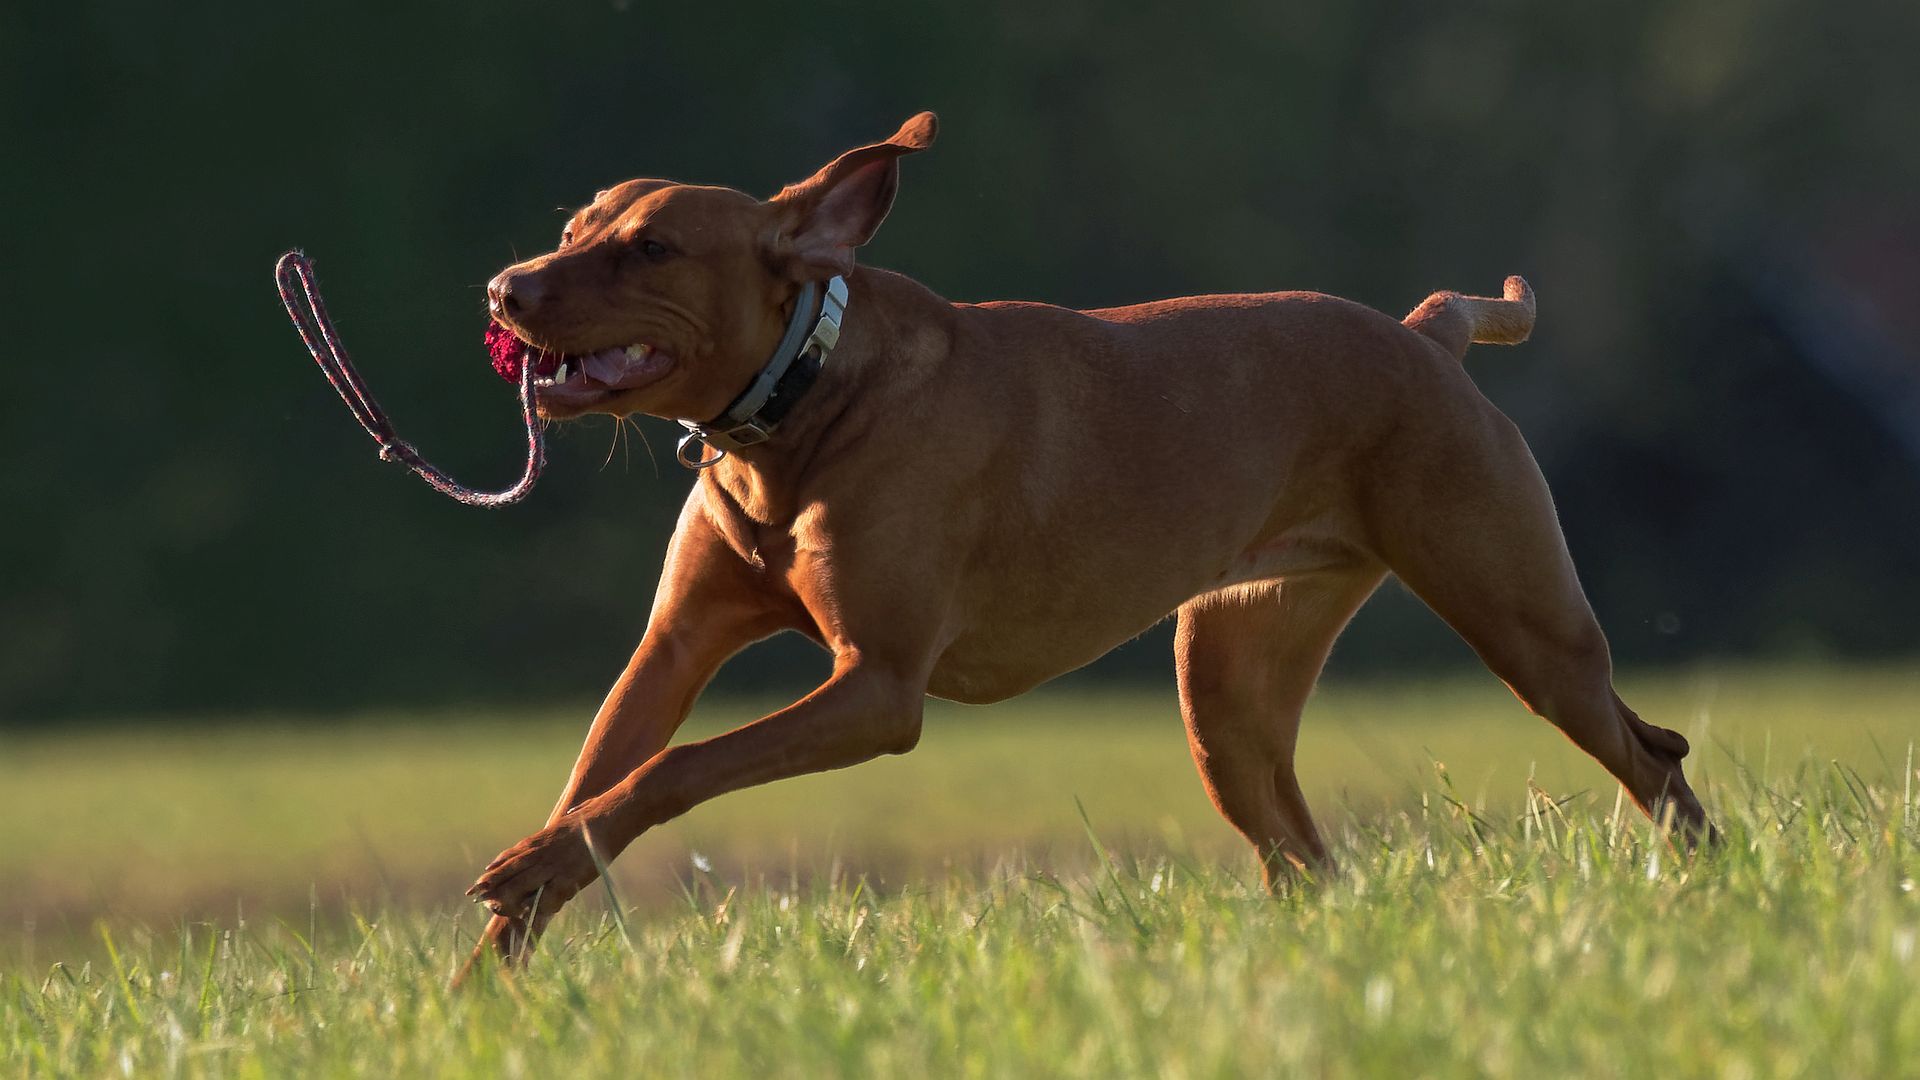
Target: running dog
point(967, 500)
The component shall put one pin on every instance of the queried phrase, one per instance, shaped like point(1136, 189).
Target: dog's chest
point(755, 524)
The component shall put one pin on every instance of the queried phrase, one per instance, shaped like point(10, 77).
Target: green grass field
point(276, 899)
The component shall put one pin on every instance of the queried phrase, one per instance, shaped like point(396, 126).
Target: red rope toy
point(301, 294)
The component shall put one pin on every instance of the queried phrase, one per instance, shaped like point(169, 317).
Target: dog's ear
point(820, 220)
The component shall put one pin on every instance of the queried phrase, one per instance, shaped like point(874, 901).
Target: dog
point(967, 500)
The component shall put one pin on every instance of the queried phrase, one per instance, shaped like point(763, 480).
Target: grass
point(950, 912)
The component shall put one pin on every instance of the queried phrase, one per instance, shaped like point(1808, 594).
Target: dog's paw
point(547, 869)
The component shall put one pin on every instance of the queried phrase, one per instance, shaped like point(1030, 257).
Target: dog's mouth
point(576, 379)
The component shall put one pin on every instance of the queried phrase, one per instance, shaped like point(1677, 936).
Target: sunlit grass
point(1564, 941)
point(271, 899)
point(175, 819)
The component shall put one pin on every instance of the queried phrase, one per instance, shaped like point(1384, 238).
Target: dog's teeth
point(636, 352)
point(560, 373)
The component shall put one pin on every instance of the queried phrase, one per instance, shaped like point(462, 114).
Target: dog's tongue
point(606, 366)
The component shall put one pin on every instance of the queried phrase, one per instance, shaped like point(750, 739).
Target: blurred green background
point(1716, 202)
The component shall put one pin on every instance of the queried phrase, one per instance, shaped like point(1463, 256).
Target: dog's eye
point(653, 249)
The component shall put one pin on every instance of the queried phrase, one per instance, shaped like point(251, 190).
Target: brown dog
point(967, 500)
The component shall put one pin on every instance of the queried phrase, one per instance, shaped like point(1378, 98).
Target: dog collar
point(787, 377)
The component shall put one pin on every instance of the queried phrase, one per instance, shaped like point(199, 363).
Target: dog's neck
point(894, 335)
point(813, 329)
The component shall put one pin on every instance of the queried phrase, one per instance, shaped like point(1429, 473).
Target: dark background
point(1716, 202)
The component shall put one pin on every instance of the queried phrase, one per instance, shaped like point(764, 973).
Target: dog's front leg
point(862, 711)
point(709, 604)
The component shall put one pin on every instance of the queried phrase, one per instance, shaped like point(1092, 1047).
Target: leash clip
point(687, 454)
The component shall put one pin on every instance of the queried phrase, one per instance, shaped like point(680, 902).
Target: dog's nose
point(513, 293)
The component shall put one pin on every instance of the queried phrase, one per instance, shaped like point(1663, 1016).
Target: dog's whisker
point(646, 444)
point(612, 443)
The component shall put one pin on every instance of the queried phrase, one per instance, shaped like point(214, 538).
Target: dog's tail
point(1457, 321)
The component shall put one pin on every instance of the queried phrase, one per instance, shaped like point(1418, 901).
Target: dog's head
point(667, 298)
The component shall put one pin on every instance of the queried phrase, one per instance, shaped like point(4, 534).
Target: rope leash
point(300, 292)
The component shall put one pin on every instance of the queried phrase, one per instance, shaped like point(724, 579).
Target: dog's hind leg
point(1247, 658)
point(1468, 524)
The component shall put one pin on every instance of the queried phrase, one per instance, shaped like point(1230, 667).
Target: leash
point(300, 292)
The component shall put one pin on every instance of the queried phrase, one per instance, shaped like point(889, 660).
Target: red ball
point(508, 352)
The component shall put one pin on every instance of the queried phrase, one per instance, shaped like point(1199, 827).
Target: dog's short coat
point(975, 498)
